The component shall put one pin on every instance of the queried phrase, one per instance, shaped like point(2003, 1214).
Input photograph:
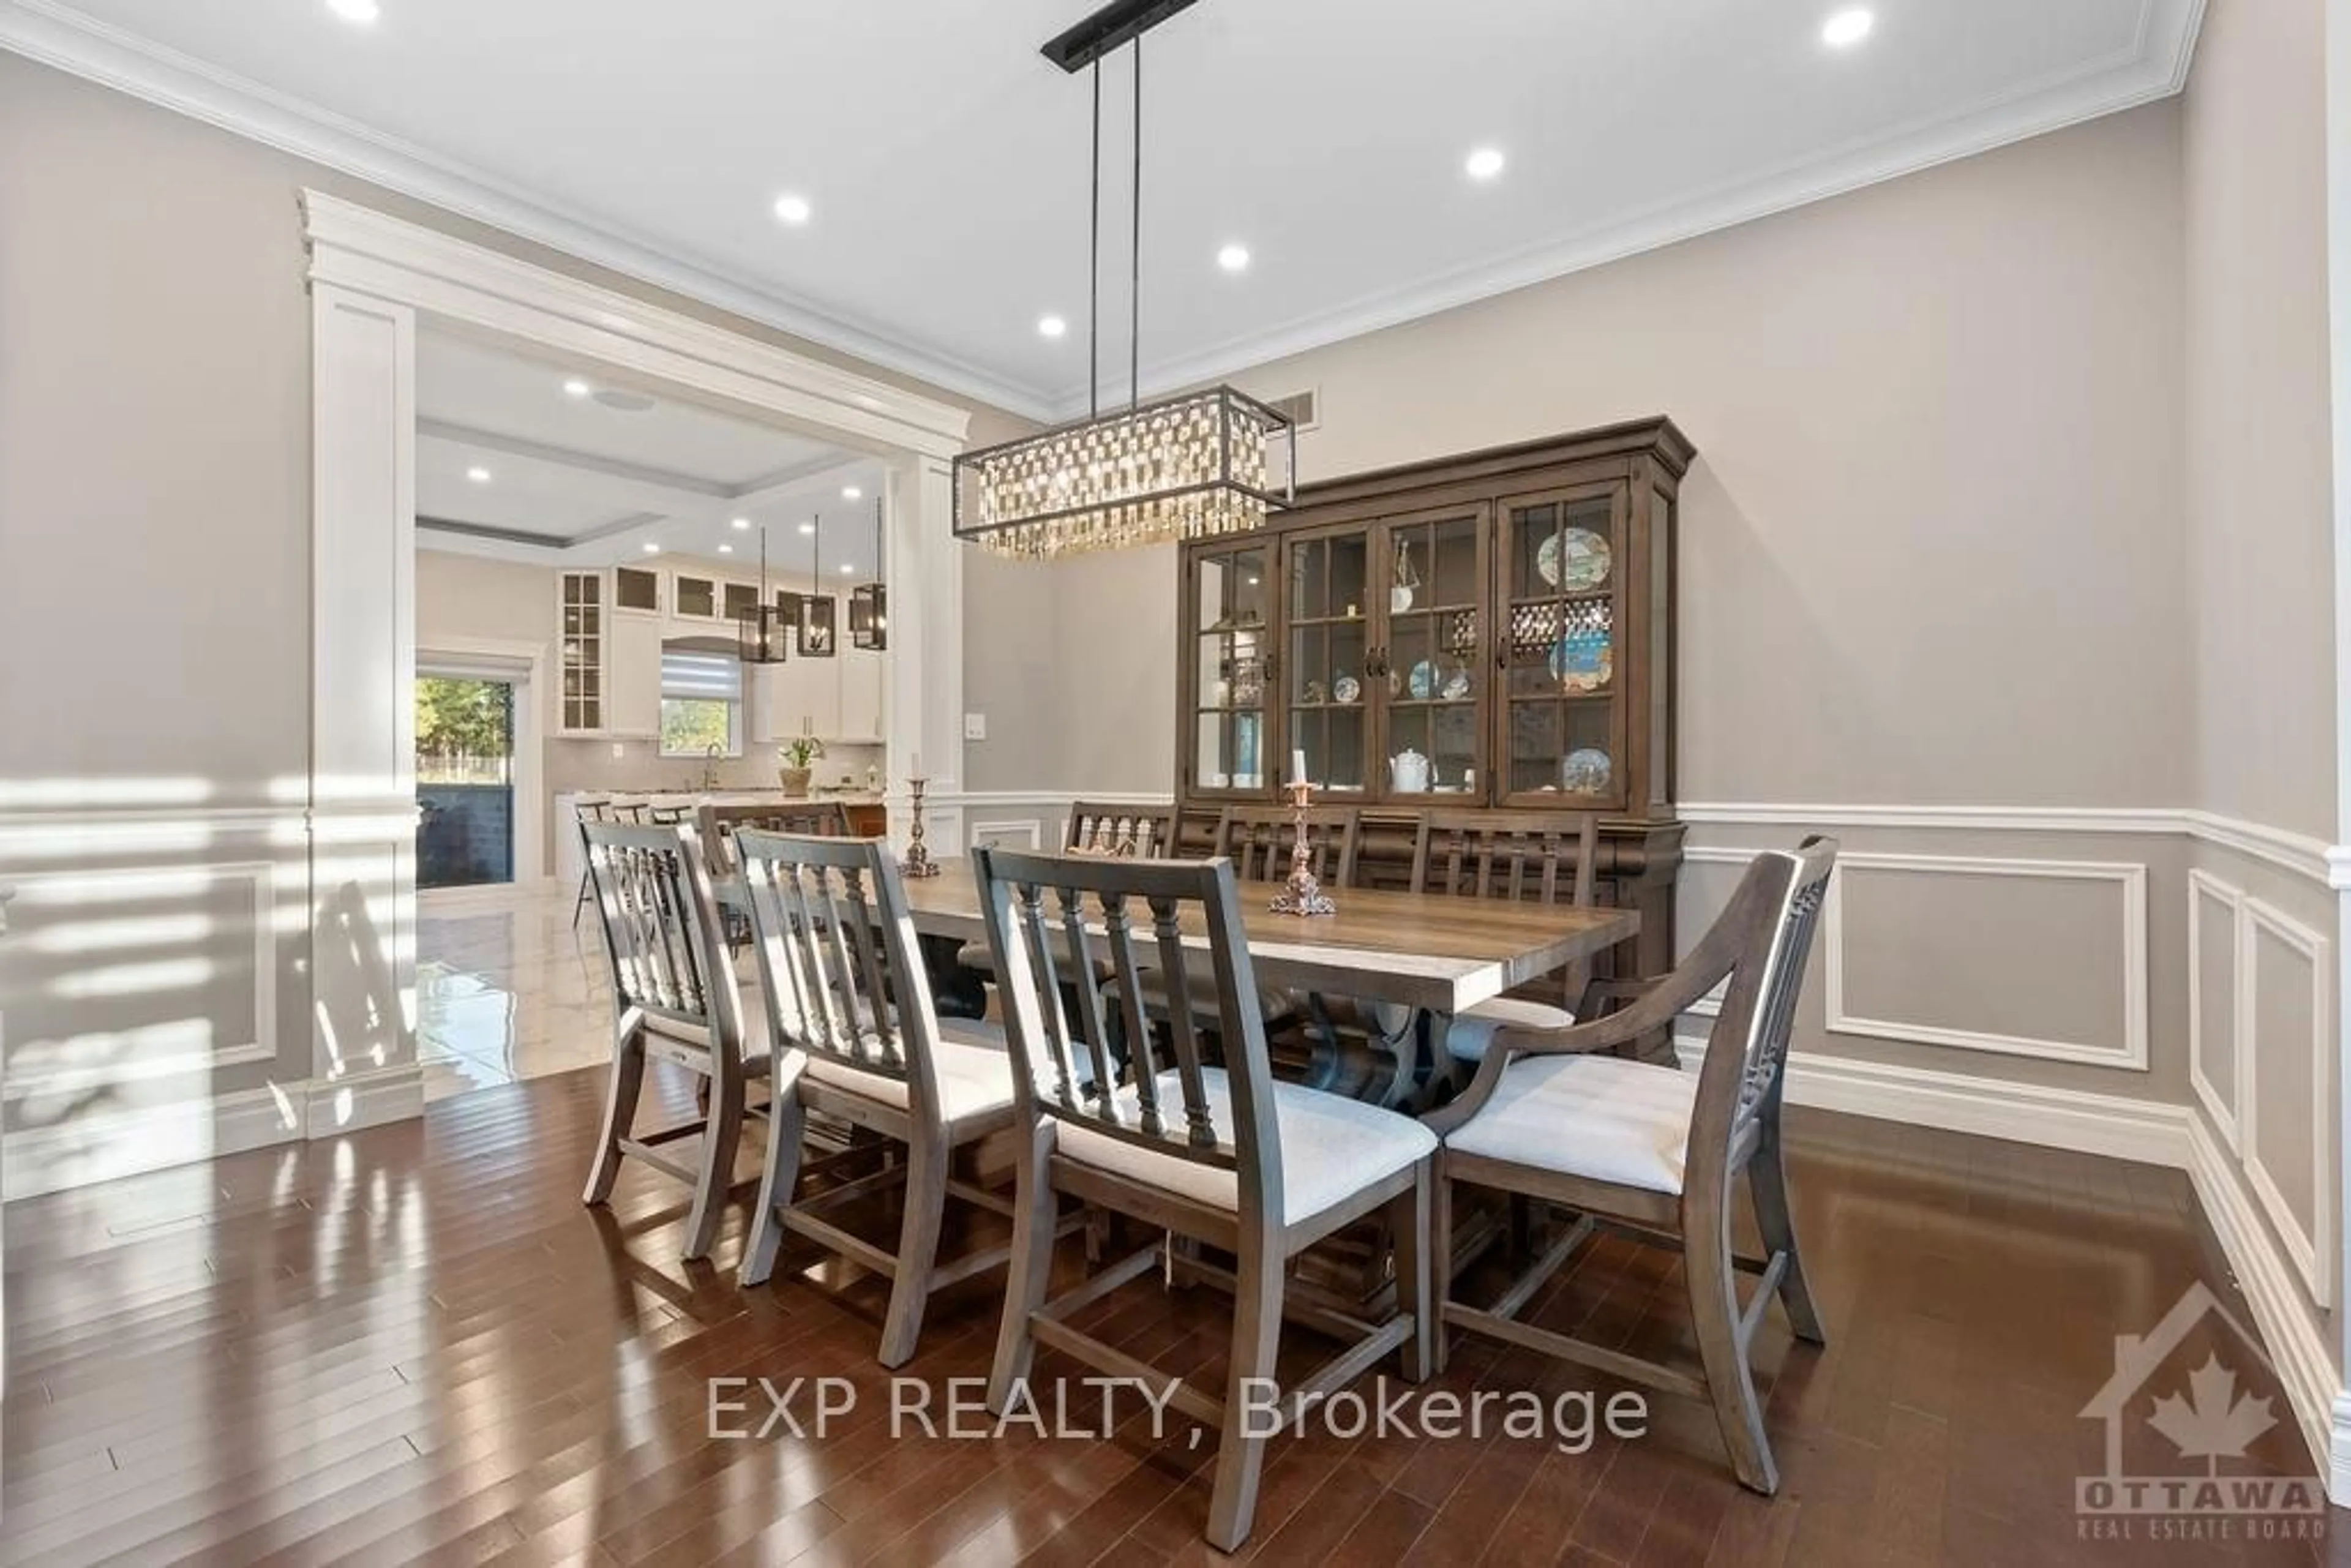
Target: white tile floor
point(505, 989)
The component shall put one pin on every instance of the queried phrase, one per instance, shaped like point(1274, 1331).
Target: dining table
point(1424, 957)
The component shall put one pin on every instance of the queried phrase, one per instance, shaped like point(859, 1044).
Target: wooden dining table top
point(1420, 949)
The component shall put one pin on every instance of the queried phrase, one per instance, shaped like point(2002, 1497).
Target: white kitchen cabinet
point(582, 620)
point(633, 678)
point(861, 679)
point(800, 696)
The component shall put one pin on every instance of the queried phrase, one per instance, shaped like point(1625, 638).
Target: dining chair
point(674, 1000)
point(831, 933)
point(1228, 1158)
point(1258, 840)
point(587, 809)
point(1133, 832)
point(1123, 832)
point(1552, 1116)
point(719, 825)
point(1537, 857)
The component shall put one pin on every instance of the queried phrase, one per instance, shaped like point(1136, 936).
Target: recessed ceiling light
point(575, 387)
point(851, 493)
point(1485, 163)
point(725, 549)
point(741, 525)
point(1233, 258)
point(808, 527)
point(1051, 326)
point(846, 568)
point(650, 548)
point(478, 475)
point(793, 210)
point(360, 11)
point(1847, 27)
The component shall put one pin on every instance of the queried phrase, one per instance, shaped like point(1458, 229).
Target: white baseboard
point(2111, 1124)
point(2119, 1128)
point(102, 1148)
point(2298, 1349)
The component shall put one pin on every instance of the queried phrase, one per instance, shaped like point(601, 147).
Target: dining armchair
point(1552, 1116)
point(1228, 1158)
point(855, 1035)
point(1537, 857)
point(674, 1000)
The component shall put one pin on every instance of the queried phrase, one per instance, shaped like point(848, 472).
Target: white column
point(926, 693)
point(362, 787)
point(2338, 273)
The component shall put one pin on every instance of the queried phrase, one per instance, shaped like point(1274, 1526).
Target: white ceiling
point(572, 480)
point(945, 161)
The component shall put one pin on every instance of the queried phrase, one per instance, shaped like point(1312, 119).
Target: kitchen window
point(702, 704)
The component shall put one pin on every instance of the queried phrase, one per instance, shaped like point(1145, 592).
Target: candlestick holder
point(1301, 894)
point(918, 861)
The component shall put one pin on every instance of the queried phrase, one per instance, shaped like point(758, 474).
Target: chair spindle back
point(1055, 923)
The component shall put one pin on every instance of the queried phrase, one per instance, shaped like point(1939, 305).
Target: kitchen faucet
point(710, 765)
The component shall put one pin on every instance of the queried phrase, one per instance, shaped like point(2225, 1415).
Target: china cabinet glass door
point(1327, 676)
point(1432, 676)
point(1560, 727)
point(1226, 599)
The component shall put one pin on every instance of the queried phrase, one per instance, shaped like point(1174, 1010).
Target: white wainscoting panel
point(2128, 878)
point(2311, 1248)
point(2206, 891)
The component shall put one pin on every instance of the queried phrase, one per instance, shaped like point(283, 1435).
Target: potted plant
point(798, 753)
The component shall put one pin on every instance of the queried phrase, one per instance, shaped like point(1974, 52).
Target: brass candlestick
point(918, 861)
point(1301, 894)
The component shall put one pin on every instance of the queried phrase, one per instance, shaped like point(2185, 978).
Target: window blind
point(700, 675)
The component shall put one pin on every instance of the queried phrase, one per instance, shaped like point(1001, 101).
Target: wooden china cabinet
point(1494, 630)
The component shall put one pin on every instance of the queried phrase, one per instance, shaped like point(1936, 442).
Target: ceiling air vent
point(1304, 408)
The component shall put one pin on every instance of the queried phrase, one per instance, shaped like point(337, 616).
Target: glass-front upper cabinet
point(1328, 676)
point(1560, 728)
point(580, 610)
point(1434, 675)
point(1226, 597)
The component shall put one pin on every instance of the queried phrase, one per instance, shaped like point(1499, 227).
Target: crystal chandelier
point(1185, 468)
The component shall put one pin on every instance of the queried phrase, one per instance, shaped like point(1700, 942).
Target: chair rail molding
point(2300, 854)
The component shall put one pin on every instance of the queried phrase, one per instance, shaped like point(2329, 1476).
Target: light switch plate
point(975, 726)
point(620, 749)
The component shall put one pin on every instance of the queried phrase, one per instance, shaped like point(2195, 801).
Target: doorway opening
point(465, 781)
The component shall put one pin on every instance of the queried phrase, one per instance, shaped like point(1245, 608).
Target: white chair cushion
point(1473, 1031)
point(975, 1073)
point(1331, 1147)
point(1600, 1117)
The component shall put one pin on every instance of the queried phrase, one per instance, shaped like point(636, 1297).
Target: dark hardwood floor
point(414, 1345)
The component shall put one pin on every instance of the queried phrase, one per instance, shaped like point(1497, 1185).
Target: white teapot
point(1408, 773)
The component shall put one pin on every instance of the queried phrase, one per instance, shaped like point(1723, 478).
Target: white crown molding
point(376, 255)
point(2155, 66)
point(57, 35)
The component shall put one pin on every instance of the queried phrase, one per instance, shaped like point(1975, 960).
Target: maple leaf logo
point(2212, 1423)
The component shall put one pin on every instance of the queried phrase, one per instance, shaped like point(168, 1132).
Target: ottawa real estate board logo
point(2178, 1436)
